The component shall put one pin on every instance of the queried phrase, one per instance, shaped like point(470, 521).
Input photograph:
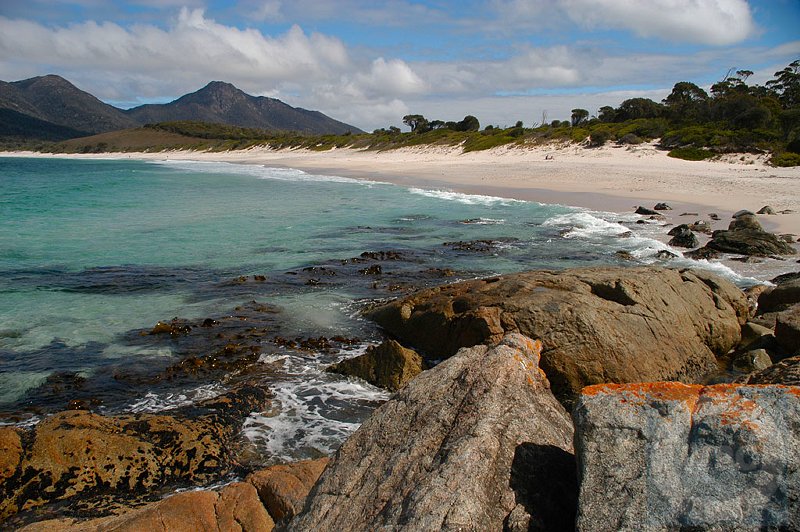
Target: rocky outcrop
point(283, 488)
point(683, 237)
point(486, 415)
point(745, 236)
point(666, 456)
point(388, 365)
point(80, 457)
point(597, 325)
point(235, 507)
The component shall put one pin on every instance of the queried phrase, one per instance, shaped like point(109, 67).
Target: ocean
point(95, 253)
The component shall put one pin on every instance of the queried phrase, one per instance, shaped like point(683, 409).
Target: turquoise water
point(92, 251)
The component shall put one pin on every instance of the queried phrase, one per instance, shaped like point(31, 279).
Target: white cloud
point(711, 22)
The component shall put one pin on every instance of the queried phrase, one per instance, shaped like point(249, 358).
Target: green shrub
point(691, 154)
point(785, 159)
point(599, 137)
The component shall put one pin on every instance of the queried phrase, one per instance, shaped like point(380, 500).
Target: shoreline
point(611, 178)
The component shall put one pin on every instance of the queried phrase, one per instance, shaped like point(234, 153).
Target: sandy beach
point(611, 178)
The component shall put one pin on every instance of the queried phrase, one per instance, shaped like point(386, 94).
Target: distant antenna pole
point(544, 117)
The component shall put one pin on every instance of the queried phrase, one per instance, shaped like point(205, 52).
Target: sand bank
point(611, 178)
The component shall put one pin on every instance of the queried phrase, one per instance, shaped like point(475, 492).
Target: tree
point(579, 116)
point(606, 113)
point(687, 101)
point(470, 123)
point(634, 108)
point(417, 123)
point(787, 85)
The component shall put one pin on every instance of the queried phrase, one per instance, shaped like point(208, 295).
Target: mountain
point(58, 101)
point(51, 108)
point(221, 102)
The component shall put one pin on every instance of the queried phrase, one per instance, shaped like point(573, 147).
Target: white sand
point(610, 178)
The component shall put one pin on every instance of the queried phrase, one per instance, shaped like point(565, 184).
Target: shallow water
point(93, 253)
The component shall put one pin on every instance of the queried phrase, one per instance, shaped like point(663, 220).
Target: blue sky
point(369, 63)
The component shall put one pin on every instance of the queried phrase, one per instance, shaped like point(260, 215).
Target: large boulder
point(667, 456)
point(745, 236)
point(388, 365)
point(74, 456)
point(235, 508)
point(283, 488)
point(597, 325)
point(476, 443)
point(683, 237)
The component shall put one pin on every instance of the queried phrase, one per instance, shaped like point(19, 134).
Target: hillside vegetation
point(691, 123)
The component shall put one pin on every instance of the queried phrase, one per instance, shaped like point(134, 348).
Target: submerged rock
point(644, 211)
point(597, 325)
point(476, 443)
point(666, 456)
point(388, 365)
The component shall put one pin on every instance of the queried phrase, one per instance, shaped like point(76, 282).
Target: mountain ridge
point(52, 108)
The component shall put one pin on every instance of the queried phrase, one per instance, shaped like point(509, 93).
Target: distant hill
point(51, 108)
point(222, 103)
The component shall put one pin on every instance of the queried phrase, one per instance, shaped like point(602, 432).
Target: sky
point(369, 63)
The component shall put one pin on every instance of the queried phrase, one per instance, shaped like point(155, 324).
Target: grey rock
point(666, 456)
point(766, 209)
point(749, 242)
point(713, 216)
point(743, 212)
point(750, 361)
point(662, 207)
point(476, 443)
point(663, 254)
point(644, 211)
point(745, 221)
point(597, 324)
point(703, 253)
point(788, 237)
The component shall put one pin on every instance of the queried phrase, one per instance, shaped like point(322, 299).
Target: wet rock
point(766, 209)
point(746, 237)
point(689, 214)
point(790, 238)
point(644, 211)
point(235, 507)
point(713, 216)
point(666, 456)
point(750, 361)
point(625, 255)
point(785, 372)
point(479, 246)
point(683, 237)
point(174, 328)
point(388, 365)
point(383, 255)
point(703, 253)
point(787, 332)
point(77, 454)
point(597, 324)
point(471, 444)
point(283, 488)
point(662, 207)
point(375, 269)
point(663, 254)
